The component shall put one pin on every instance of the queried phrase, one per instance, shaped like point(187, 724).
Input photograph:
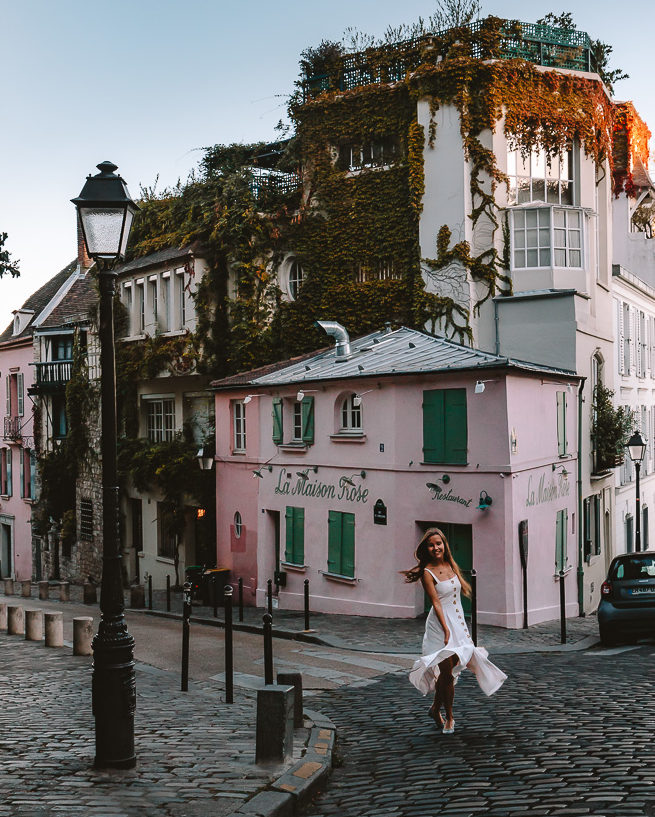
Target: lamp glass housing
point(636, 447)
point(106, 230)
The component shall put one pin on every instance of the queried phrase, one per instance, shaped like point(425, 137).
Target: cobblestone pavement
point(568, 734)
point(195, 753)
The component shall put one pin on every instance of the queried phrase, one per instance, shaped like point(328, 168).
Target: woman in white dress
point(447, 645)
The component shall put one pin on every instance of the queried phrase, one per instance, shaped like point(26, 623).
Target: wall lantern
point(485, 501)
point(304, 475)
point(206, 456)
point(258, 471)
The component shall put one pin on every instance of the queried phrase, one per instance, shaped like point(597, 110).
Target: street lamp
point(636, 449)
point(105, 212)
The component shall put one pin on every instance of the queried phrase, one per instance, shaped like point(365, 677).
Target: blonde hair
point(422, 558)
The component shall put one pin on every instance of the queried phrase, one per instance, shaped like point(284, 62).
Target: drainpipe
point(580, 520)
point(496, 327)
point(338, 332)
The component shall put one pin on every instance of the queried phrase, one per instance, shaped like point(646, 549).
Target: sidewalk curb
point(289, 793)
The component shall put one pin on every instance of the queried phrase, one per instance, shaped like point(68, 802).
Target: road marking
point(357, 661)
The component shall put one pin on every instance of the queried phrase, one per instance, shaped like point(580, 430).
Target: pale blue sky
point(147, 83)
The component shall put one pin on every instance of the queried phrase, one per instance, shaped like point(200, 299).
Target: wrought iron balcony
point(52, 376)
point(536, 43)
point(13, 428)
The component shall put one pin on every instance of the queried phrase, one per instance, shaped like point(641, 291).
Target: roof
point(39, 300)
point(640, 175)
point(402, 351)
point(76, 305)
point(158, 258)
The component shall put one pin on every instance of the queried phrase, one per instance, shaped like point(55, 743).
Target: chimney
point(84, 262)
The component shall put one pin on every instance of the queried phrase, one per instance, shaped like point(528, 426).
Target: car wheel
point(607, 638)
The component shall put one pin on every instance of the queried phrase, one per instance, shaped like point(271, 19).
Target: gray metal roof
point(402, 351)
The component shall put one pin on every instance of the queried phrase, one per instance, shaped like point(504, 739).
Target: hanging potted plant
point(610, 428)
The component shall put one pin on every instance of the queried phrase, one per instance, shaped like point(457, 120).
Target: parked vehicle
point(627, 602)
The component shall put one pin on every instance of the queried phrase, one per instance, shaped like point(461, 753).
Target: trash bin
point(193, 575)
point(220, 577)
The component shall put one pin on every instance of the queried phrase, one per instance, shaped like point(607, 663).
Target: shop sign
point(546, 491)
point(341, 490)
point(441, 496)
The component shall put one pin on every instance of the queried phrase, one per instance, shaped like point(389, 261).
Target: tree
point(610, 428)
point(600, 51)
point(454, 13)
point(7, 264)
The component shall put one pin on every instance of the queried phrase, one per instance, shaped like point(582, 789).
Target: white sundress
point(425, 671)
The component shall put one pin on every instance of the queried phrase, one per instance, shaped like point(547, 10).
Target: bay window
point(546, 237)
point(540, 177)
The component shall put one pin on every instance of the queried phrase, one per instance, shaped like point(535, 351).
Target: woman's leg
point(435, 709)
point(447, 691)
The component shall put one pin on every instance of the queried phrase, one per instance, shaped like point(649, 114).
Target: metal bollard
point(168, 593)
point(562, 606)
point(474, 607)
point(149, 592)
point(34, 625)
point(268, 648)
point(269, 593)
point(215, 596)
point(307, 604)
point(240, 599)
point(54, 629)
point(229, 653)
point(186, 616)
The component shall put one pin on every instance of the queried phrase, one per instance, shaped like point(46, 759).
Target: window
point(239, 425)
point(59, 419)
point(351, 414)
point(547, 237)
point(539, 177)
point(299, 416)
point(15, 394)
point(141, 306)
point(238, 525)
point(445, 432)
point(562, 448)
point(182, 299)
point(166, 303)
point(382, 269)
point(341, 544)
point(295, 536)
point(591, 522)
point(641, 345)
point(86, 520)
point(154, 300)
point(161, 420)
point(375, 153)
point(296, 277)
point(27, 462)
point(561, 524)
point(165, 532)
point(127, 303)
point(6, 462)
point(62, 347)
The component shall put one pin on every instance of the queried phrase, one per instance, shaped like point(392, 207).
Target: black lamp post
point(105, 211)
point(636, 449)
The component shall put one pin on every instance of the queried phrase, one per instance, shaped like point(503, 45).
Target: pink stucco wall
point(16, 512)
point(520, 407)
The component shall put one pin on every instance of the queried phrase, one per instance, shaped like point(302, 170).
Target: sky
point(148, 83)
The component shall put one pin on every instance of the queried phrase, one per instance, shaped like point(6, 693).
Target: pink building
point(329, 467)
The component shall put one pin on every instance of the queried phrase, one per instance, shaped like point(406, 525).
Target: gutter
point(580, 520)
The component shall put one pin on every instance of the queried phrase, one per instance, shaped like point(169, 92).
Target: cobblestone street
point(568, 734)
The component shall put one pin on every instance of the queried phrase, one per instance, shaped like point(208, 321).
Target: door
point(6, 551)
point(137, 535)
point(460, 540)
point(275, 518)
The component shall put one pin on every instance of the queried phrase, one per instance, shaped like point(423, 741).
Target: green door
point(460, 539)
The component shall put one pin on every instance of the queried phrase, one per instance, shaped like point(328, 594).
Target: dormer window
point(377, 152)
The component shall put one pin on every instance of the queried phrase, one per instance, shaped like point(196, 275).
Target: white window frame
point(238, 426)
point(296, 278)
point(350, 416)
point(160, 419)
point(538, 171)
point(141, 306)
point(296, 421)
point(546, 229)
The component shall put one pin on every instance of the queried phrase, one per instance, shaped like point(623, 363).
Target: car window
point(634, 567)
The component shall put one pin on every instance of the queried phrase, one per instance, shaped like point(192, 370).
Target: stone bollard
point(33, 625)
point(26, 589)
point(90, 596)
point(137, 596)
point(293, 679)
point(3, 616)
point(15, 620)
point(44, 591)
point(82, 635)
point(274, 741)
point(54, 629)
point(64, 591)
point(9, 587)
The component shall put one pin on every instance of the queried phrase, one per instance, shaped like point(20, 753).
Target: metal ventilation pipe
point(338, 332)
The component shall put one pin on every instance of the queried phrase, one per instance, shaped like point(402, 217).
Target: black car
point(627, 602)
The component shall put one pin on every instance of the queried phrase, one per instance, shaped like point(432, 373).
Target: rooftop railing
point(537, 43)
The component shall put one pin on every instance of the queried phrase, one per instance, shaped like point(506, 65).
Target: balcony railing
point(52, 375)
point(536, 43)
point(13, 428)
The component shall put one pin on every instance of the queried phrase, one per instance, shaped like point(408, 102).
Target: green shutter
point(456, 429)
point(32, 475)
point(288, 550)
point(21, 470)
point(561, 525)
point(334, 542)
point(596, 545)
point(307, 409)
point(20, 393)
point(348, 544)
point(299, 536)
point(277, 421)
point(10, 455)
point(433, 426)
point(561, 423)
